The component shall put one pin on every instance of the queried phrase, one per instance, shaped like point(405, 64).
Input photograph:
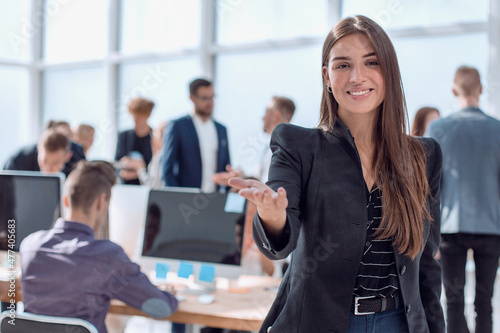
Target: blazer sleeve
point(285, 171)
point(120, 146)
point(430, 269)
point(170, 159)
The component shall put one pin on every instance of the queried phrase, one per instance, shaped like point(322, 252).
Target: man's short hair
point(467, 81)
point(196, 84)
point(141, 106)
point(285, 106)
point(87, 182)
point(53, 140)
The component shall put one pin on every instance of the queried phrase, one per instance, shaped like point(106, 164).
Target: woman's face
point(355, 76)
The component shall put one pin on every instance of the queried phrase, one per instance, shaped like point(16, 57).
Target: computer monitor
point(185, 225)
point(32, 200)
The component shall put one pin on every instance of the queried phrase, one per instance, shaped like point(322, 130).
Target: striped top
point(377, 274)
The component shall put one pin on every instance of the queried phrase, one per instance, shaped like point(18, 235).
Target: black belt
point(372, 304)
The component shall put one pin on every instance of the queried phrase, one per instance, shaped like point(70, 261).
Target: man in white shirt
point(195, 146)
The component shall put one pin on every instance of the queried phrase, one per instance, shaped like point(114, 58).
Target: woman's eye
point(342, 66)
point(372, 63)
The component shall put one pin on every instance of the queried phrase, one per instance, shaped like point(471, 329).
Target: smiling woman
point(361, 253)
point(355, 76)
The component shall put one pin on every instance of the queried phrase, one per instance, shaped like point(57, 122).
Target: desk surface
point(231, 310)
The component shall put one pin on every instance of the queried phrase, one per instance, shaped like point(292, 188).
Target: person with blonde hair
point(136, 143)
point(152, 174)
point(356, 200)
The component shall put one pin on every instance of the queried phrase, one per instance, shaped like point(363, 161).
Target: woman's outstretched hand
point(271, 205)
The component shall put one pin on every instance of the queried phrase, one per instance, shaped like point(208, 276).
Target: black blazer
point(326, 229)
point(27, 159)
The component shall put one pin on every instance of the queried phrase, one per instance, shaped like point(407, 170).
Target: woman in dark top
point(135, 143)
point(356, 200)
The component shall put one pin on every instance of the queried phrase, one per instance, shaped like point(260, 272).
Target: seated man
point(77, 152)
point(67, 272)
point(49, 155)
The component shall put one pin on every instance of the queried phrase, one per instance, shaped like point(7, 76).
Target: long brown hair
point(399, 160)
point(418, 128)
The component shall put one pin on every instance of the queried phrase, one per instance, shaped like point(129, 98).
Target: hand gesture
point(271, 205)
point(222, 178)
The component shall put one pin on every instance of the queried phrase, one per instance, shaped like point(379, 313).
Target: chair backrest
point(28, 322)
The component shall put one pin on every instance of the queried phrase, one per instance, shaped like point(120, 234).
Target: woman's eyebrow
point(349, 58)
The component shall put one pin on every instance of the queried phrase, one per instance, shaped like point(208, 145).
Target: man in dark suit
point(50, 154)
point(195, 146)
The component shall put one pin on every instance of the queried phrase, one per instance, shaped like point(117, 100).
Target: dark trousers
point(454, 249)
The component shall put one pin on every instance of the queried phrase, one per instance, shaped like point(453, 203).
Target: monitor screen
point(30, 199)
point(194, 226)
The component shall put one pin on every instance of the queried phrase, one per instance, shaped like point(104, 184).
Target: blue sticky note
point(185, 270)
point(161, 270)
point(234, 203)
point(207, 273)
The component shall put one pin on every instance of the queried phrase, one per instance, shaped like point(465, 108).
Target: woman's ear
point(325, 75)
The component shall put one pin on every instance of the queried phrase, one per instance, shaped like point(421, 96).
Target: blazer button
point(408, 308)
point(403, 270)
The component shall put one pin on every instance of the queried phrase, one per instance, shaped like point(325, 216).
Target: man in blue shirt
point(67, 272)
point(470, 201)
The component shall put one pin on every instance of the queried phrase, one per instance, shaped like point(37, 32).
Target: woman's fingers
point(281, 199)
point(241, 183)
point(260, 194)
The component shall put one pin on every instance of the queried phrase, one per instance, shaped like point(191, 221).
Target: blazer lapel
point(191, 132)
point(221, 147)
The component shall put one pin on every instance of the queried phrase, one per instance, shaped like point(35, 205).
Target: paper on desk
point(161, 270)
point(234, 203)
point(207, 273)
point(185, 270)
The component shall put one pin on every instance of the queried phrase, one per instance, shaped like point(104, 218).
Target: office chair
point(28, 322)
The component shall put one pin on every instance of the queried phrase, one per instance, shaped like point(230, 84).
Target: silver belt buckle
point(356, 305)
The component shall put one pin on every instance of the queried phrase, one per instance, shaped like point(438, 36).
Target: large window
point(166, 83)
point(247, 81)
point(78, 96)
point(261, 20)
point(158, 25)
point(14, 84)
point(428, 66)
point(75, 30)
point(82, 60)
point(408, 13)
point(17, 27)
